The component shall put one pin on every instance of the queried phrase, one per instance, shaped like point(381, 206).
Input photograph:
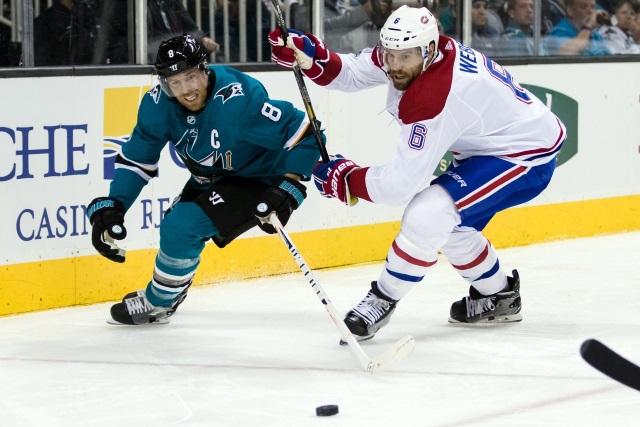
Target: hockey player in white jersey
point(446, 97)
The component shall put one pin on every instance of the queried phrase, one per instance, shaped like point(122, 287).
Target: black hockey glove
point(106, 215)
point(283, 200)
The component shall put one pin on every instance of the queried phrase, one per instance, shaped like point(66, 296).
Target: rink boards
point(57, 154)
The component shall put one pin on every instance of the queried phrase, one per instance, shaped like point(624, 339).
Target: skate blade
point(157, 322)
point(511, 318)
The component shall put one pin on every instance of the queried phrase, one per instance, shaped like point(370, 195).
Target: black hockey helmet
point(177, 55)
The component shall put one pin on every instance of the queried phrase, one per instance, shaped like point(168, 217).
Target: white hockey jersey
point(464, 103)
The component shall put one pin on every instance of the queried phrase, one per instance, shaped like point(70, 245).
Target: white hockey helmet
point(409, 27)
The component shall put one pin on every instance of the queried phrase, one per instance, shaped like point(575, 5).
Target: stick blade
point(610, 363)
point(401, 349)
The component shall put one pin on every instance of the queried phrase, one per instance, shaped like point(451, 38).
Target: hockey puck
point(326, 410)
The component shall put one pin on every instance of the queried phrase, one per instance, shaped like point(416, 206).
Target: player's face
point(189, 88)
point(404, 66)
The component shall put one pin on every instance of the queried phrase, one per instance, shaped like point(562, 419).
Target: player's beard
point(197, 103)
point(401, 79)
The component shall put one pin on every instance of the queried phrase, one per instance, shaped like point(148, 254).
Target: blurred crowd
point(83, 32)
point(566, 27)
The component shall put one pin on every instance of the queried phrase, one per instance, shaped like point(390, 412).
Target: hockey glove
point(309, 51)
point(106, 215)
point(283, 200)
point(330, 178)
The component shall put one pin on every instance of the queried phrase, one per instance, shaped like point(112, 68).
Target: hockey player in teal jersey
point(242, 149)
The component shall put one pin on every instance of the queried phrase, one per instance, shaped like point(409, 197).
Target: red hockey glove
point(330, 178)
point(309, 51)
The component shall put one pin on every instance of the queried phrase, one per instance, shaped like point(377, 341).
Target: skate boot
point(501, 307)
point(135, 309)
point(371, 314)
point(141, 292)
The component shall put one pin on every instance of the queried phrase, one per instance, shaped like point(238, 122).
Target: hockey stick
point(610, 363)
point(393, 354)
point(301, 86)
point(306, 99)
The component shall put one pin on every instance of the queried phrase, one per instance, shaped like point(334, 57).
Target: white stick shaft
point(322, 296)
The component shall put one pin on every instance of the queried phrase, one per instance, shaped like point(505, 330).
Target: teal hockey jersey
point(239, 131)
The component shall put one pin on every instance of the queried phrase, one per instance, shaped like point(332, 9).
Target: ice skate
point(135, 309)
point(501, 307)
point(141, 292)
point(371, 314)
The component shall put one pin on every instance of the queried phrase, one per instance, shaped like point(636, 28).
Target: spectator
point(575, 34)
point(254, 26)
point(113, 38)
point(10, 51)
point(494, 20)
point(165, 19)
point(346, 30)
point(518, 35)
point(447, 17)
point(606, 5)
point(368, 33)
point(637, 20)
point(552, 13)
point(484, 38)
point(65, 33)
point(622, 32)
point(446, 12)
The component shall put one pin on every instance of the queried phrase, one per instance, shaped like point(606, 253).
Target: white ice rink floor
point(265, 353)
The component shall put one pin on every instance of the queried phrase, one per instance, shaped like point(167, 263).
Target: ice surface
point(265, 353)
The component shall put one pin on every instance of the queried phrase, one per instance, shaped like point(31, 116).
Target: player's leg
point(481, 187)
point(492, 295)
point(223, 212)
point(426, 226)
point(183, 233)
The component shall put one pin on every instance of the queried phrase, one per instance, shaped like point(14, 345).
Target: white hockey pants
point(430, 224)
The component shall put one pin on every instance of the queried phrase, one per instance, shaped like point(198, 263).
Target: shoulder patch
point(428, 94)
point(229, 91)
point(155, 93)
